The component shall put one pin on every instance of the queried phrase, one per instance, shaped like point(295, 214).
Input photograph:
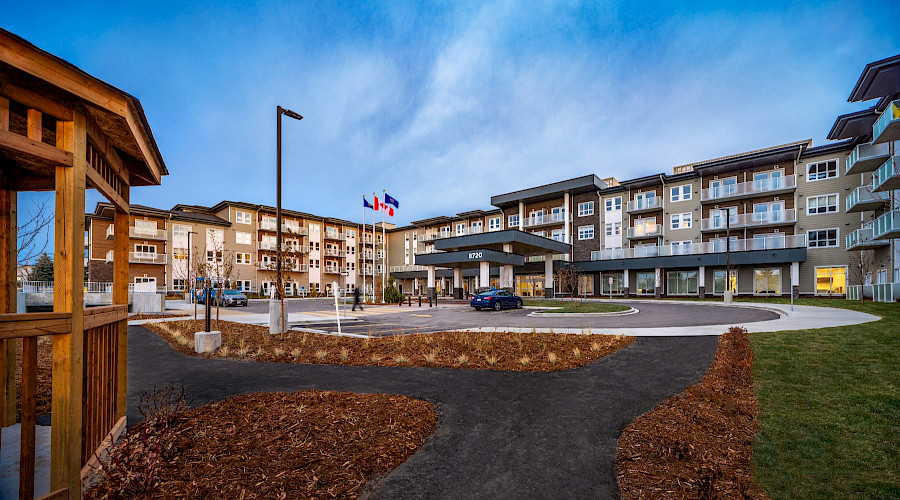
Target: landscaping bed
point(577, 306)
point(140, 316)
point(697, 444)
point(542, 352)
point(309, 444)
point(44, 371)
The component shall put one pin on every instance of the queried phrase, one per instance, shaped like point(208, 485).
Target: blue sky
point(445, 104)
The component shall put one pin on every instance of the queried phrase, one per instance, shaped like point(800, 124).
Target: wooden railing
point(101, 387)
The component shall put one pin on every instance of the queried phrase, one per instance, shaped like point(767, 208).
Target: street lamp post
point(273, 305)
point(190, 278)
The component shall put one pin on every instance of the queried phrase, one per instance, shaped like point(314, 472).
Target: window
point(213, 256)
point(614, 204)
point(178, 285)
point(585, 232)
point(493, 224)
point(682, 282)
point(145, 249)
point(144, 279)
point(514, 220)
point(831, 280)
point(242, 238)
point(242, 258)
point(824, 204)
point(242, 217)
point(179, 231)
point(681, 221)
point(586, 284)
point(214, 236)
point(614, 229)
point(243, 285)
point(646, 283)
point(821, 170)
point(681, 193)
point(461, 229)
point(767, 281)
point(586, 208)
point(477, 226)
point(615, 285)
point(719, 281)
point(558, 235)
point(351, 233)
point(822, 238)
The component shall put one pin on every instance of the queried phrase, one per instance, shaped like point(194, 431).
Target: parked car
point(496, 300)
point(230, 298)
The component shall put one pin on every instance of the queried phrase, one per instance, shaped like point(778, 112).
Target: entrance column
point(457, 283)
point(701, 282)
point(430, 290)
point(658, 293)
point(795, 279)
point(625, 282)
point(416, 285)
point(485, 273)
point(548, 275)
point(506, 272)
point(522, 215)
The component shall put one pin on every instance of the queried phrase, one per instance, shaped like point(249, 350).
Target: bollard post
point(429, 300)
point(207, 309)
point(420, 300)
point(409, 300)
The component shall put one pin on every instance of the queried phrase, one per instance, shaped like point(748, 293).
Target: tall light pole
point(278, 278)
point(190, 279)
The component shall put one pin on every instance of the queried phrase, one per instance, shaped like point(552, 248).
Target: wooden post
point(120, 296)
point(68, 296)
point(8, 261)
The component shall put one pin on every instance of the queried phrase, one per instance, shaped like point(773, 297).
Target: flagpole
point(384, 250)
point(374, 260)
point(363, 249)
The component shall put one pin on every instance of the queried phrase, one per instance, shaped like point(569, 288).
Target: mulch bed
point(44, 372)
point(310, 444)
point(697, 444)
point(141, 316)
point(540, 352)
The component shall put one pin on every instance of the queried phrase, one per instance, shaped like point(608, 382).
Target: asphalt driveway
point(500, 434)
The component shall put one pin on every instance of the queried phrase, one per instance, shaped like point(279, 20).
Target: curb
point(630, 310)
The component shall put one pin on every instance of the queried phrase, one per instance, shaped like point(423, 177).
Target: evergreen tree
point(43, 269)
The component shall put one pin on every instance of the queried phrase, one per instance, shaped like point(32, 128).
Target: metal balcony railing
point(146, 233)
point(772, 217)
point(887, 127)
point(333, 235)
point(334, 252)
point(545, 219)
point(867, 157)
point(708, 247)
point(335, 270)
point(270, 225)
point(146, 258)
point(750, 188)
point(644, 204)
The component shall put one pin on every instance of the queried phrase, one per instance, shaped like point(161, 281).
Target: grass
point(829, 407)
point(576, 306)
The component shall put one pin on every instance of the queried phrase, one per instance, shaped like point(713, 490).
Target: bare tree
point(862, 264)
point(220, 269)
point(33, 235)
point(568, 277)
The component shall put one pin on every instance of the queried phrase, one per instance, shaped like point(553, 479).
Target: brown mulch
point(536, 352)
point(310, 444)
point(44, 372)
point(697, 444)
point(141, 316)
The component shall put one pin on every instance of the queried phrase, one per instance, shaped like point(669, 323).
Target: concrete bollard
point(275, 317)
point(207, 342)
point(729, 296)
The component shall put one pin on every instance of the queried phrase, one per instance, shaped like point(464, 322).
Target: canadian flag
point(387, 208)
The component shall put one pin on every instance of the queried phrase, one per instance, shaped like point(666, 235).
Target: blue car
point(496, 300)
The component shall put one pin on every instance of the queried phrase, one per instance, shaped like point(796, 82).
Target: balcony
point(334, 235)
point(547, 219)
point(287, 247)
point(143, 233)
point(270, 266)
point(863, 199)
point(867, 157)
point(757, 219)
point(771, 185)
point(887, 127)
point(708, 247)
point(465, 232)
point(407, 268)
point(886, 177)
point(334, 252)
point(644, 205)
point(270, 225)
point(864, 239)
point(887, 226)
point(644, 231)
point(334, 270)
point(146, 258)
point(110, 232)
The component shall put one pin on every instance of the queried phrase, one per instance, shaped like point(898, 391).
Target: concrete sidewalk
point(800, 318)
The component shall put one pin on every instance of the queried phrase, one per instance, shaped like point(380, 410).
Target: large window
point(646, 283)
point(615, 285)
point(494, 225)
point(831, 280)
point(242, 238)
point(682, 282)
point(681, 221)
point(242, 258)
point(821, 170)
point(178, 284)
point(822, 238)
point(681, 193)
point(243, 285)
point(614, 204)
point(585, 232)
point(767, 281)
point(614, 229)
point(514, 220)
point(558, 235)
point(242, 217)
point(586, 208)
point(824, 204)
point(719, 281)
point(586, 284)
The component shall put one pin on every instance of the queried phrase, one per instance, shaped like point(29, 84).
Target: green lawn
point(830, 407)
point(576, 306)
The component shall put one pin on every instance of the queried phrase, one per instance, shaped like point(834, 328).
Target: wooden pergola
point(64, 130)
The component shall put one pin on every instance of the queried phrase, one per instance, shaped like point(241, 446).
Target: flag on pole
point(378, 205)
point(389, 209)
point(389, 200)
point(366, 203)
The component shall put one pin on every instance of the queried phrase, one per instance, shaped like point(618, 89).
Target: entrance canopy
point(509, 240)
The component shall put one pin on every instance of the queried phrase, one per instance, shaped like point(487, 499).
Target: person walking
point(356, 299)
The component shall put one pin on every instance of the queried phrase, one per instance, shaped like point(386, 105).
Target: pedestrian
point(356, 300)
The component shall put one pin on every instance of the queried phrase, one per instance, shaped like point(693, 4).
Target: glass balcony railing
point(759, 186)
point(867, 157)
point(541, 220)
point(887, 226)
point(148, 233)
point(863, 238)
point(771, 217)
point(863, 198)
point(642, 204)
point(887, 127)
point(886, 177)
point(645, 231)
point(708, 247)
point(146, 258)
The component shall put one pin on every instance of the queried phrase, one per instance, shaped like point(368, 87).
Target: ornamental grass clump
point(321, 354)
point(345, 354)
point(462, 359)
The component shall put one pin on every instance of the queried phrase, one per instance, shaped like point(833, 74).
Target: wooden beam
point(68, 296)
point(4, 114)
point(99, 183)
point(35, 122)
point(27, 429)
point(120, 296)
point(55, 72)
point(8, 267)
point(34, 100)
point(32, 147)
point(107, 151)
point(144, 143)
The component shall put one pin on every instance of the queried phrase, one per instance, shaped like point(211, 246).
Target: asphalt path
point(500, 434)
